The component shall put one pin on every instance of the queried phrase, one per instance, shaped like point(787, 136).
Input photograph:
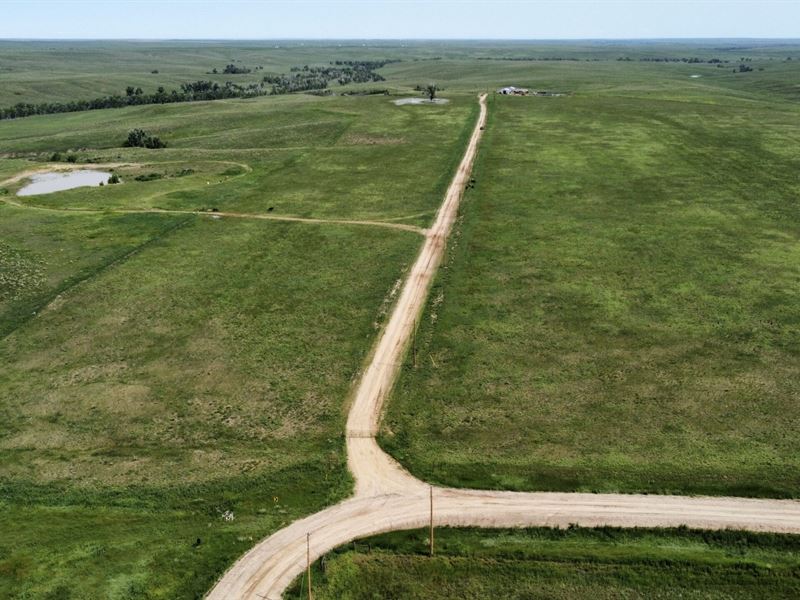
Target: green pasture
point(342, 157)
point(617, 310)
point(60, 71)
point(565, 564)
point(204, 373)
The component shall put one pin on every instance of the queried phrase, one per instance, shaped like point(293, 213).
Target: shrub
point(135, 139)
point(148, 177)
point(154, 143)
point(72, 158)
point(56, 157)
point(113, 179)
point(234, 70)
point(138, 138)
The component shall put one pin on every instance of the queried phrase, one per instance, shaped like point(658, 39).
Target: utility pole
point(414, 344)
point(431, 535)
point(308, 563)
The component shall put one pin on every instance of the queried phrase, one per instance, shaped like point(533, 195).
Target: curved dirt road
point(388, 498)
point(235, 215)
point(217, 214)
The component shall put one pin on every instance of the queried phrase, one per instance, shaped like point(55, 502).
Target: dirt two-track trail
point(388, 498)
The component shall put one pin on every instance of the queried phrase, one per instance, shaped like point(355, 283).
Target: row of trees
point(189, 92)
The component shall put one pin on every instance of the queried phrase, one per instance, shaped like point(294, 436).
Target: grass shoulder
point(561, 563)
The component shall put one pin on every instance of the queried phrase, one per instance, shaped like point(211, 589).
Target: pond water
point(45, 183)
point(402, 101)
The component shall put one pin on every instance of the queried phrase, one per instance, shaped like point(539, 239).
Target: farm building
point(513, 91)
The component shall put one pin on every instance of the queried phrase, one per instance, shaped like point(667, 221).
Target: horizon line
point(395, 39)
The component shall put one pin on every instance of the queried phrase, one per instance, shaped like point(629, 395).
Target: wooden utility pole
point(308, 563)
point(431, 535)
point(414, 344)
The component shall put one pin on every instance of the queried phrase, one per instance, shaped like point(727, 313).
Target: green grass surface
point(44, 254)
point(565, 564)
point(68, 70)
point(342, 157)
point(618, 302)
point(160, 370)
point(618, 311)
point(205, 373)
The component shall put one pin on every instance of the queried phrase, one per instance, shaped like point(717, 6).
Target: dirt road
point(10, 200)
point(388, 498)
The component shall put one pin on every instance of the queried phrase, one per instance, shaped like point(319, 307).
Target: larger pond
point(46, 183)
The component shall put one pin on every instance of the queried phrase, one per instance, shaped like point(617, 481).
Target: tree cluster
point(306, 78)
point(232, 69)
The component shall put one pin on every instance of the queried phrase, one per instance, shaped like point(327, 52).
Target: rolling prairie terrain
point(616, 310)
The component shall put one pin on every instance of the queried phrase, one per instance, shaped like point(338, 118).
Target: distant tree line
point(666, 59)
point(365, 92)
point(189, 92)
point(690, 60)
point(540, 58)
point(300, 79)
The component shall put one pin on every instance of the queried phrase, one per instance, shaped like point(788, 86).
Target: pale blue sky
point(516, 19)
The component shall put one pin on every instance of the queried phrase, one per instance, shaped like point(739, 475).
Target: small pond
point(45, 183)
point(402, 101)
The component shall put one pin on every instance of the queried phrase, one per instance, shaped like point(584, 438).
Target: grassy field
point(172, 386)
point(44, 254)
point(205, 373)
point(564, 564)
point(619, 303)
point(342, 157)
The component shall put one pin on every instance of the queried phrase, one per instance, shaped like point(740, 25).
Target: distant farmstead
point(513, 91)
